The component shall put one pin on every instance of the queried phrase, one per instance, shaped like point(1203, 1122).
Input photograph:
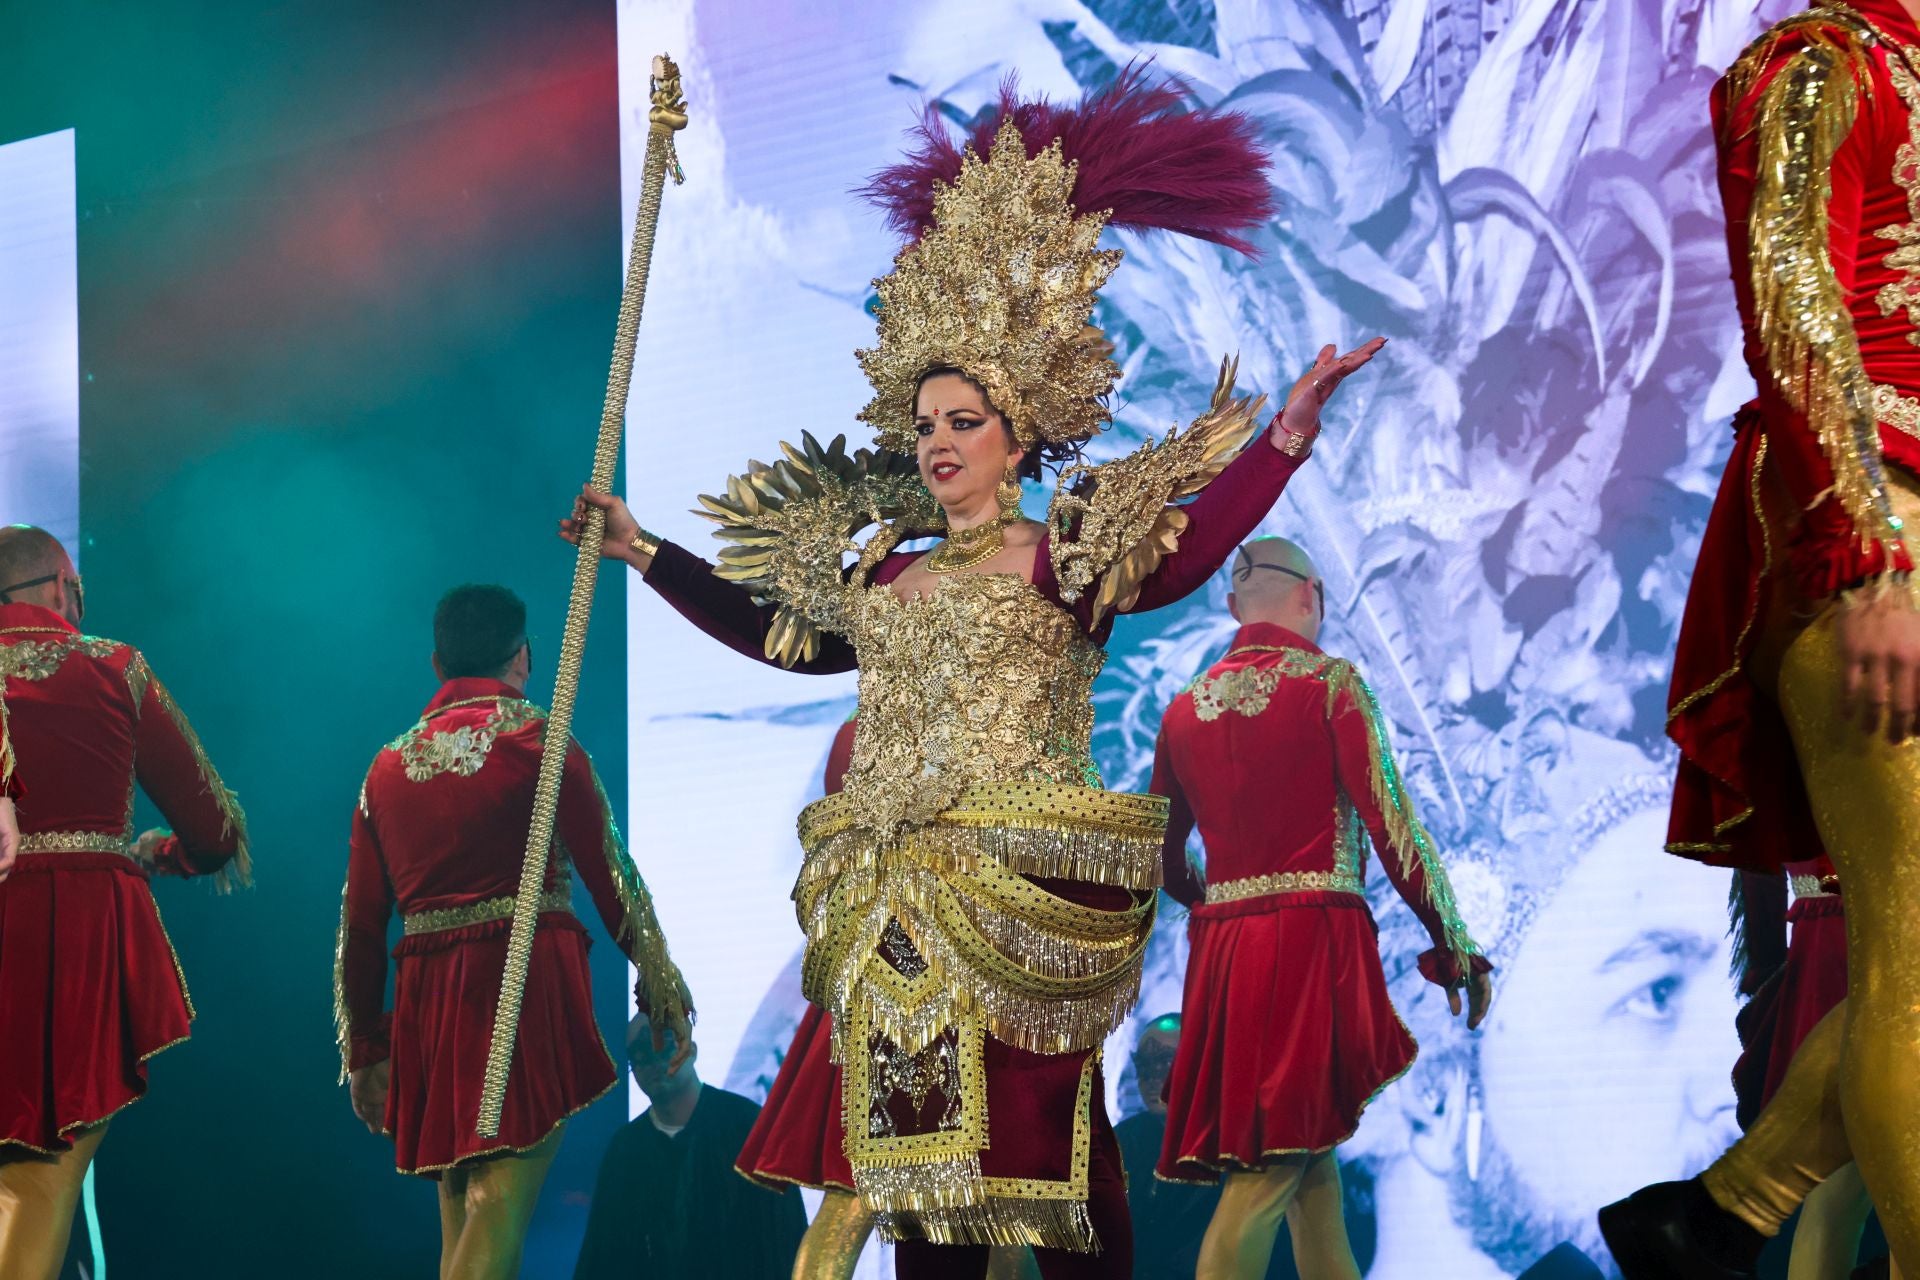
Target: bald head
point(1276, 581)
point(27, 551)
point(31, 554)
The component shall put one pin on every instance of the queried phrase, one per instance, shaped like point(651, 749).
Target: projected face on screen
point(1612, 1019)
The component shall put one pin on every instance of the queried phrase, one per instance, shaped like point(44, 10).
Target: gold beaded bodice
point(984, 680)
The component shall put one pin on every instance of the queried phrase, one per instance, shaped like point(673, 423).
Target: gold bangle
point(1295, 443)
point(645, 543)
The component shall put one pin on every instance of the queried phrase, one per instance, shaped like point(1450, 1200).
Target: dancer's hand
point(1479, 999)
point(9, 837)
point(681, 1026)
point(1296, 425)
point(147, 848)
point(1879, 643)
point(621, 526)
point(367, 1086)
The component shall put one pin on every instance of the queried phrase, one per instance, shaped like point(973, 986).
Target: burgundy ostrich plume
point(1200, 173)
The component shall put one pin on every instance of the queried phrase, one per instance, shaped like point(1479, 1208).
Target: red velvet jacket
point(1278, 752)
point(87, 720)
point(1796, 512)
point(442, 826)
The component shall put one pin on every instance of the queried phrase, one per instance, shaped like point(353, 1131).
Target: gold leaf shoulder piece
point(1116, 522)
point(789, 527)
point(1802, 117)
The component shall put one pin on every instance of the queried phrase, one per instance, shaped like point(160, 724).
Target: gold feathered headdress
point(1002, 269)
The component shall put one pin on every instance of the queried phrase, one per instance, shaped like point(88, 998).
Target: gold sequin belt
point(1034, 828)
point(1813, 887)
point(560, 899)
point(1284, 882)
point(76, 842)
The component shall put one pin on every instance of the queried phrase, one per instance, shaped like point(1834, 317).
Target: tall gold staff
point(668, 116)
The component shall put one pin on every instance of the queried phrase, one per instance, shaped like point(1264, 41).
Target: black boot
point(1878, 1269)
point(1675, 1231)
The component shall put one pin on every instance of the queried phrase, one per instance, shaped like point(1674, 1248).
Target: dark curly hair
point(1047, 453)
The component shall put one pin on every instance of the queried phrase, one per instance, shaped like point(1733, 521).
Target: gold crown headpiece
point(1003, 269)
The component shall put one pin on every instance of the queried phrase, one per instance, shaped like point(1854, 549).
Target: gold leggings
point(831, 1248)
point(1304, 1190)
point(485, 1209)
point(1853, 1090)
point(38, 1195)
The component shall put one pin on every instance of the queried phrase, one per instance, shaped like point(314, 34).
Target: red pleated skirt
point(89, 990)
point(1286, 1033)
point(1812, 981)
point(797, 1138)
point(446, 989)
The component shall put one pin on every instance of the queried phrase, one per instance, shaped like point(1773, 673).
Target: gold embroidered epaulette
point(1247, 690)
point(427, 751)
point(1114, 523)
point(790, 526)
point(35, 660)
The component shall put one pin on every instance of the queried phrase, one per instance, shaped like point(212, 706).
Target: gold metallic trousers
point(38, 1195)
point(831, 1248)
point(486, 1207)
point(1853, 1090)
point(1304, 1191)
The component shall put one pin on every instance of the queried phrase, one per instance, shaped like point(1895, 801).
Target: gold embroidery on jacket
point(1905, 236)
point(428, 752)
point(1803, 116)
point(35, 660)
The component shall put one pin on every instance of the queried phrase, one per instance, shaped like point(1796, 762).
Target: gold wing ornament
point(1117, 521)
point(790, 526)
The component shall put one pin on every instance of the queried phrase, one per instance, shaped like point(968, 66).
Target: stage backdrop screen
point(40, 337)
point(1506, 507)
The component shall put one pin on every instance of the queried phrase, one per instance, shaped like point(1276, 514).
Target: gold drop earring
point(1008, 494)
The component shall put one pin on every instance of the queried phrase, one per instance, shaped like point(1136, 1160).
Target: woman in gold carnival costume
point(975, 904)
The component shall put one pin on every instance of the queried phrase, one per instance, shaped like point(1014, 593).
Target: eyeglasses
point(79, 588)
point(1319, 587)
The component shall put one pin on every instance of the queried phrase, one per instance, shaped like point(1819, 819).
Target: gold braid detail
point(1411, 842)
point(6, 742)
point(640, 934)
point(342, 1025)
point(789, 525)
point(1118, 522)
point(1804, 116)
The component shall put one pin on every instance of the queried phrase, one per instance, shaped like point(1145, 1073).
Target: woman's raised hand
point(1295, 426)
point(620, 528)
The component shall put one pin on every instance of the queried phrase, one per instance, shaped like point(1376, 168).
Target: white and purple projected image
point(40, 337)
point(1507, 505)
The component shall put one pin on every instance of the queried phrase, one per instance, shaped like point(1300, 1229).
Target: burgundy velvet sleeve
point(1176, 869)
point(585, 827)
point(1353, 762)
point(207, 828)
point(1220, 517)
point(728, 612)
point(1826, 554)
point(365, 910)
point(840, 757)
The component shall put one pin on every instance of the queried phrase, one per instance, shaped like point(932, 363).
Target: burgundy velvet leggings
point(1106, 1206)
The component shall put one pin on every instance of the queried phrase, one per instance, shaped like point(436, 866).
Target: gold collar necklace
point(969, 547)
